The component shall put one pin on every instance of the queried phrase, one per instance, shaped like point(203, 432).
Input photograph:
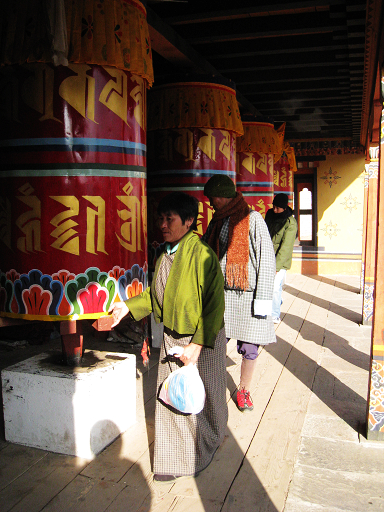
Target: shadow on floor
point(346, 313)
point(332, 392)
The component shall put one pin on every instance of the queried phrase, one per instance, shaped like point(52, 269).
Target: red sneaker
point(244, 401)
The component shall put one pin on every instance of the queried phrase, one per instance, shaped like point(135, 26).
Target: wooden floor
point(255, 464)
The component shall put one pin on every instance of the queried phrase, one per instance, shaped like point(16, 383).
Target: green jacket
point(283, 231)
point(193, 297)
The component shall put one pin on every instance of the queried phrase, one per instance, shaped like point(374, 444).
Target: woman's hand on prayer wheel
point(119, 310)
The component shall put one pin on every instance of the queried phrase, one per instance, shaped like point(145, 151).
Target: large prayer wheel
point(73, 172)
point(192, 129)
point(255, 161)
point(283, 173)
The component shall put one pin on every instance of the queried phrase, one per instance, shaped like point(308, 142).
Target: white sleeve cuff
point(262, 307)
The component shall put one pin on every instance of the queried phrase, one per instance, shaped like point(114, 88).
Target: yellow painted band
point(54, 318)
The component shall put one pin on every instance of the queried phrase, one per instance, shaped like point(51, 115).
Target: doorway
point(305, 207)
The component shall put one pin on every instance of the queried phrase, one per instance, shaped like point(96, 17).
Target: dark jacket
point(283, 230)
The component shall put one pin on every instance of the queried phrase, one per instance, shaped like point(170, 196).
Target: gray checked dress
point(186, 443)
point(248, 313)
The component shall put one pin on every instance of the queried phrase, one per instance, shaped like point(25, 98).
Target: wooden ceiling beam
point(289, 51)
point(316, 65)
point(166, 42)
point(296, 91)
point(254, 11)
point(209, 39)
point(284, 81)
point(283, 102)
point(279, 108)
point(175, 49)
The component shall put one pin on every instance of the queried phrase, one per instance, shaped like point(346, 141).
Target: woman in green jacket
point(282, 227)
point(187, 295)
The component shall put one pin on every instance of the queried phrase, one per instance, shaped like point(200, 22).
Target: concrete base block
point(75, 411)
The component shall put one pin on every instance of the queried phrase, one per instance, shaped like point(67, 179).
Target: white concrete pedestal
point(75, 411)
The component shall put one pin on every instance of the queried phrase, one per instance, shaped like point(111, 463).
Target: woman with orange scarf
point(241, 240)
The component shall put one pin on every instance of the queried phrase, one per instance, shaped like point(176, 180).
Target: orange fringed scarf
point(238, 240)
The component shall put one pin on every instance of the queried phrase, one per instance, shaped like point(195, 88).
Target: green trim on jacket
point(193, 297)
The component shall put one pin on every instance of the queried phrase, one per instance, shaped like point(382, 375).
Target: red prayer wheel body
point(255, 156)
point(191, 137)
point(254, 179)
point(283, 179)
point(74, 190)
point(194, 156)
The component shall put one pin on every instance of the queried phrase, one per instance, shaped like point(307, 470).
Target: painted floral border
point(65, 295)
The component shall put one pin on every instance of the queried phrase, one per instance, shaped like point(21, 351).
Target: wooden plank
point(183, 504)
point(271, 454)
point(33, 489)
point(140, 489)
point(125, 451)
point(241, 428)
point(153, 502)
point(298, 310)
point(69, 498)
point(292, 287)
point(260, 446)
point(16, 460)
point(86, 494)
point(256, 496)
point(141, 493)
point(99, 497)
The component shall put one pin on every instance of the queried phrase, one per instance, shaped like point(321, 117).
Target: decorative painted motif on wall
point(330, 178)
point(350, 203)
point(331, 147)
point(330, 229)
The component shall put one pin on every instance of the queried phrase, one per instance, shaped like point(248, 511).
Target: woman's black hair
point(186, 206)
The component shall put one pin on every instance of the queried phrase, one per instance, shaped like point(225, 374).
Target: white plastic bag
point(184, 390)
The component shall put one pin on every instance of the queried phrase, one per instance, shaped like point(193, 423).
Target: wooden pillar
point(375, 406)
point(371, 234)
point(365, 211)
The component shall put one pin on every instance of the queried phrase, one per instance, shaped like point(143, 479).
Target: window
point(305, 208)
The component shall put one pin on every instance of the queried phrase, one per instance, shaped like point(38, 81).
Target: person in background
point(187, 295)
point(282, 227)
point(241, 240)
